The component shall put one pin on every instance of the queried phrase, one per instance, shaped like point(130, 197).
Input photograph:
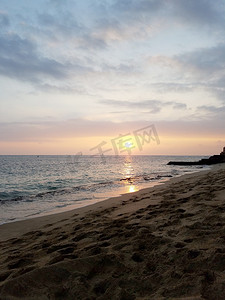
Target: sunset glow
point(75, 74)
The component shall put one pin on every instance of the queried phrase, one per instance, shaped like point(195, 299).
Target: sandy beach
point(165, 242)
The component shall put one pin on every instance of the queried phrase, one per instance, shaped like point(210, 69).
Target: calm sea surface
point(32, 186)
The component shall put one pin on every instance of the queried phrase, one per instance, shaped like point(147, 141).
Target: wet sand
point(166, 242)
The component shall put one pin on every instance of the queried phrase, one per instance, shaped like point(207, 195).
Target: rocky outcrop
point(215, 159)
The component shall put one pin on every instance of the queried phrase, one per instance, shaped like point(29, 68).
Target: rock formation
point(215, 159)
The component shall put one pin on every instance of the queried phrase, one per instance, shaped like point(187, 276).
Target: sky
point(85, 76)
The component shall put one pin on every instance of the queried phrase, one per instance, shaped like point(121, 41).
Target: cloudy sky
point(76, 73)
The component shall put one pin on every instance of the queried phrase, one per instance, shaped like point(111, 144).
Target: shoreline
point(109, 195)
point(163, 242)
point(13, 229)
point(50, 194)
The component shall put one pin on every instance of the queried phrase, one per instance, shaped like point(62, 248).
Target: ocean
point(32, 186)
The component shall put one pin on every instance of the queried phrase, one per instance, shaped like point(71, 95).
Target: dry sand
point(167, 242)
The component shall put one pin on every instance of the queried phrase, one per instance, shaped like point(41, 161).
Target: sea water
point(33, 186)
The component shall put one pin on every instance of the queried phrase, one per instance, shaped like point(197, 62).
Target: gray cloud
point(137, 10)
point(201, 11)
point(64, 24)
point(206, 60)
point(124, 20)
point(153, 106)
point(174, 86)
point(20, 59)
point(137, 6)
point(108, 22)
point(61, 89)
point(4, 20)
point(204, 12)
point(203, 68)
point(192, 13)
point(176, 105)
point(208, 65)
point(213, 110)
point(218, 89)
point(122, 68)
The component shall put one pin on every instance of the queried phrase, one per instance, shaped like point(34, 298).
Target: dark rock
point(193, 254)
point(215, 159)
point(137, 257)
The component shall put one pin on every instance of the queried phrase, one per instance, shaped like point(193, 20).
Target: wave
point(13, 196)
